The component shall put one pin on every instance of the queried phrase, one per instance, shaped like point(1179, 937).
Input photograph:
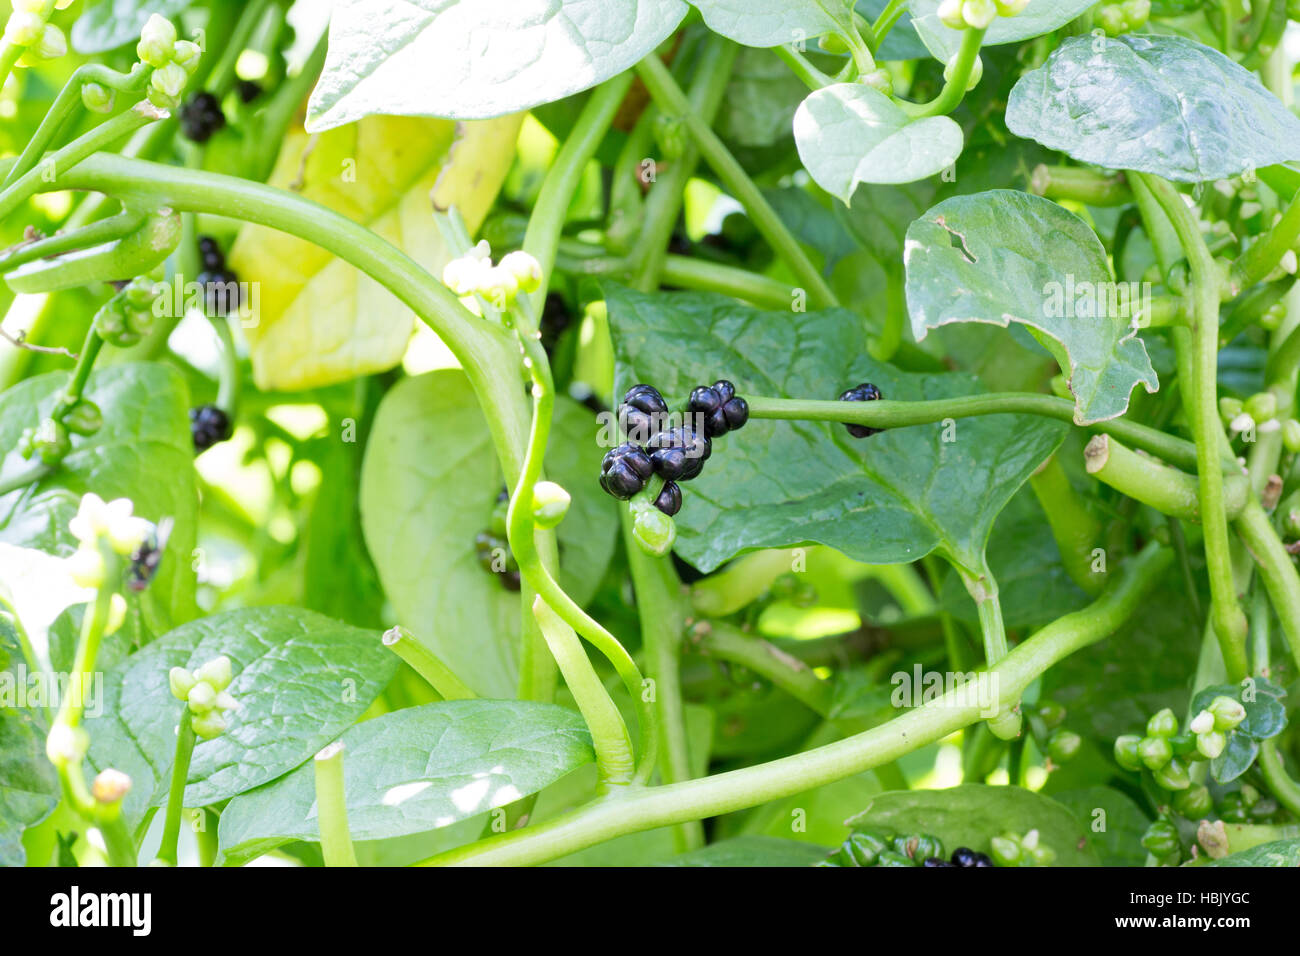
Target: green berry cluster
point(129, 316)
point(1259, 411)
point(204, 693)
point(173, 60)
point(873, 846)
point(473, 274)
point(1125, 17)
point(1248, 806)
point(1009, 849)
point(27, 28)
point(1059, 743)
point(977, 14)
point(1162, 750)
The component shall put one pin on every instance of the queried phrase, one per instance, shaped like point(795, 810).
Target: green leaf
point(415, 770)
point(766, 23)
point(902, 43)
point(143, 452)
point(1039, 17)
point(464, 59)
point(849, 133)
point(1265, 711)
point(300, 680)
point(1004, 256)
point(889, 499)
point(1116, 830)
point(752, 851)
point(972, 814)
point(1277, 853)
point(1164, 105)
point(429, 482)
point(758, 107)
point(108, 24)
point(1236, 758)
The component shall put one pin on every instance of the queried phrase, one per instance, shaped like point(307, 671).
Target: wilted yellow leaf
point(319, 320)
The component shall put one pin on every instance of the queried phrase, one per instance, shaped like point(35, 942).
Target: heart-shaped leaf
point(143, 452)
point(429, 483)
point(415, 770)
point(465, 59)
point(1158, 104)
point(849, 133)
point(973, 813)
point(317, 319)
point(891, 498)
point(1004, 256)
point(300, 679)
point(766, 23)
point(1038, 17)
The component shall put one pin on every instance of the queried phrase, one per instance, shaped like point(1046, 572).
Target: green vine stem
point(649, 808)
point(720, 640)
point(670, 98)
point(1075, 528)
point(185, 740)
point(222, 76)
point(427, 664)
point(889, 16)
point(983, 590)
point(893, 414)
point(661, 609)
point(24, 478)
point(105, 230)
point(1280, 783)
point(740, 583)
point(332, 807)
point(799, 65)
point(1168, 490)
point(1200, 402)
point(1264, 255)
point(1277, 569)
point(1080, 184)
point(954, 88)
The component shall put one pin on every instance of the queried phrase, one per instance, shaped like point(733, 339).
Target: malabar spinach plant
point(778, 432)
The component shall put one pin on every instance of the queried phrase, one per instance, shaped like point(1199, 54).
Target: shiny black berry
point(964, 856)
point(210, 254)
point(695, 449)
point(936, 861)
point(248, 90)
point(982, 859)
point(726, 391)
point(640, 413)
point(220, 291)
point(624, 470)
point(208, 426)
point(670, 499)
point(737, 412)
point(866, 392)
point(669, 463)
point(201, 116)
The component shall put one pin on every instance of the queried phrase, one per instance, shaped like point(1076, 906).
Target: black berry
point(737, 412)
point(982, 859)
point(695, 448)
point(639, 414)
point(866, 392)
point(726, 391)
point(624, 470)
point(935, 861)
point(963, 856)
point(249, 90)
point(669, 463)
point(670, 499)
point(201, 116)
point(208, 425)
point(220, 291)
point(210, 254)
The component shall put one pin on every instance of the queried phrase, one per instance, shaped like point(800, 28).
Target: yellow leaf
point(317, 319)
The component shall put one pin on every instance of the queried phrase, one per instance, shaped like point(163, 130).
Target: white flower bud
point(525, 268)
point(978, 14)
point(86, 567)
point(1202, 723)
point(216, 672)
point(157, 40)
point(950, 14)
point(24, 28)
point(110, 786)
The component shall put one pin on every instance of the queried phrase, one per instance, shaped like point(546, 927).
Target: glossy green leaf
point(143, 452)
point(1114, 821)
point(1158, 104)
point(766, 23)
point(417, 769)
point(888, 499)
point(752, 851)
point(972, 814)
point(1039, 17)
point(429, 482)
point(107, 24)
point(1278, 853)
point(1262, 700)
point(849, 133)
point(300, 679)
point(1004, 256)
point(465, 59)
point(1236, 758)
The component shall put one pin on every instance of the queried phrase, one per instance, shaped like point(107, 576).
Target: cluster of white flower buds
point(174, 61)
point(26, 27)
point(1212, 725)
point(473, 274)
point(977, 14)
point(99, 524)
point(204, 693)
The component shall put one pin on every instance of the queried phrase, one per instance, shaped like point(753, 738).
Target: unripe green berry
point(1155, 752)
point(209, 725)
point(1211, 744)
point(216, 672)
point(1050, 713)
point(1162, 724)
point(1006, 725)
point(976, 73)
point(1261, 406)
point(654, 531)
point(181, 682)
point(550, 504)
point(1126, 752)
point(1291, 435)
point(1230, 408)
point(97, 98)
point(1173, 776)
point(1063, 746)
point(157, 41)
point(1010, 8)
point(1136, 12)
point(833, 43)
point(1161, 839)
point(1228, 713)
point(1272, 319)
point(1193, 803)
point(1042, 855)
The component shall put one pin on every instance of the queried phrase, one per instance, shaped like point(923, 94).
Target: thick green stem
point(808, 74)
point(1265, 253)
point(332, 808)
point(427, 664)
point(1075, 528)
point(1277, 569)
point(1200, 402)
point(647, 809)
point(106, 230)
point(1168, 490)
point(767, 660)
point(1080, 185)
point(890, 414)
point(1280, 783)
point(954, 88)
point(176, 792)
point(24, 478)
point(659, 81)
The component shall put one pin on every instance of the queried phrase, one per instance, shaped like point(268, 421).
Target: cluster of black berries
point(201, 116)
point(866, 392)
point(220, 285)
point(491, 544)
point(674, 454)
point(962, 856)
point(208, 425)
